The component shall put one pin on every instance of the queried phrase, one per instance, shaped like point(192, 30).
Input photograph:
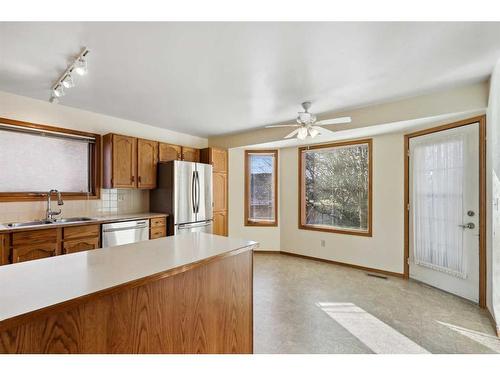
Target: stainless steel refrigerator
point(184, 192)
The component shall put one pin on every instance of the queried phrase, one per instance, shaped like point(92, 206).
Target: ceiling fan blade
point(332, 121)
point(322, 131)
point(282, 126)
point(292, 134)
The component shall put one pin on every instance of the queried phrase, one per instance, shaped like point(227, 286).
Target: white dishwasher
point(125, 232)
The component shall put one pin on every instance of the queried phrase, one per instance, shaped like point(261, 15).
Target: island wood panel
point(206, 309)
point(168, 152)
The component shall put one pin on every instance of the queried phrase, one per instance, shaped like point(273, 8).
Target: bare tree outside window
point(261, 187)
point(336, 187)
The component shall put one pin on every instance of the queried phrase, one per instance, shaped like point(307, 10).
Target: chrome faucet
point(49, 213)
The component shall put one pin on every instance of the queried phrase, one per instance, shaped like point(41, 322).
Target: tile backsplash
point(113, 201)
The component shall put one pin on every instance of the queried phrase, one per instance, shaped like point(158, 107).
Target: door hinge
point(408, 261)
point(408, 152)
point(408, 207)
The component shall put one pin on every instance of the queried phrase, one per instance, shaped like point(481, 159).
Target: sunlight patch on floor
point(375, 334)
point(489, 341)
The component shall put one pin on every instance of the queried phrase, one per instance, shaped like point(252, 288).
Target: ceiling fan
point(307, 126)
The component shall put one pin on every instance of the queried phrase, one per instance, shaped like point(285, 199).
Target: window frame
point(254, 223)
point(301, 182)
point(94, 166)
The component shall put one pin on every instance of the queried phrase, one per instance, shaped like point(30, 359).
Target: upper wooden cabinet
point(190, 154)
point(147, 159)
point(129, 162)
point(119, 161)
point(169, 152)
point(215, 156)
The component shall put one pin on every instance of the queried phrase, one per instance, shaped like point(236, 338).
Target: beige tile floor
point(306, 306)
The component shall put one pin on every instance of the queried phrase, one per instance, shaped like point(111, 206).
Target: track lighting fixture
point(66, 80)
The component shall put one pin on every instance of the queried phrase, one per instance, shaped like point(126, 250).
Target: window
point(37, 158)
point(261, 187)
point(335, 187)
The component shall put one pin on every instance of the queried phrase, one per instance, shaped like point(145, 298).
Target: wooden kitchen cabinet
point(220, 223)
point(4, 249)
point(81, 238)
point(82, 244)
point(190, 154)
point(119, 161)
point(35, 244)
point(147, 160)
point(158, 227)
point(218, 158)
point(168, 152)
point(129, 162)
point(219, 181)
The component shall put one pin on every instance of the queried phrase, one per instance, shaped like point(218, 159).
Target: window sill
point(261, 223)
point(353, 232)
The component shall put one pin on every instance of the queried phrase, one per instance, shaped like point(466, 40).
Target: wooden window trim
point(253, 223)
point(302, 210)
point(95, 163)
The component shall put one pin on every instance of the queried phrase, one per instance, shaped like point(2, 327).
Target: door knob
point(467, 226)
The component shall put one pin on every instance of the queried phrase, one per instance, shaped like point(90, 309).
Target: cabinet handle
point(132, 179)
point(139, 179)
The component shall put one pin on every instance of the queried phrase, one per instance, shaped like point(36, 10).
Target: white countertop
point(95, 220)
point(29, 286)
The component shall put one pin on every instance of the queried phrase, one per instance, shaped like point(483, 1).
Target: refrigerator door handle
point(197, 192)
point(193, 191)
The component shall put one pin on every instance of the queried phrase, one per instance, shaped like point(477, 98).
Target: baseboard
point(367, 269)
point(493, 322)
point(267, 251)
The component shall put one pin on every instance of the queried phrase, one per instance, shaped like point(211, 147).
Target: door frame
point(482, 196)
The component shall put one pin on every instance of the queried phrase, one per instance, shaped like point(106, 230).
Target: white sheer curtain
point(437, 200)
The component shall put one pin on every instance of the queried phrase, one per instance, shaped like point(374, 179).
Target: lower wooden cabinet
point(32, 252)
point(220, 223)
point(4, 249)
point(83, 244)
point(158, 227)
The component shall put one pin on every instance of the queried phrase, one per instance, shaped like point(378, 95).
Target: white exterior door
point(444, 210)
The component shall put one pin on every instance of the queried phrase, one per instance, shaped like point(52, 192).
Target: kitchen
point(186, 190)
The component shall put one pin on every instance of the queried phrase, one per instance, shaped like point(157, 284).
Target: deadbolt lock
point(470, 213)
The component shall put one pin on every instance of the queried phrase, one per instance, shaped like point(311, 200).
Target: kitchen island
point(190, 293)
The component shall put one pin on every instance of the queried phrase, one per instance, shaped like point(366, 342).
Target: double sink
point(45, 222)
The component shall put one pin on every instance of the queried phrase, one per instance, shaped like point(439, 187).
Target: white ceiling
point(213, 78)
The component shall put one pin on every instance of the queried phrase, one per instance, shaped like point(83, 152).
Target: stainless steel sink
point(45, 222)
point(73, 219)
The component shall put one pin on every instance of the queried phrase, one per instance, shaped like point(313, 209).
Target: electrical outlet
point(322, 243)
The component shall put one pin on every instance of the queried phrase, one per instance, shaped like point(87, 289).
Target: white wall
point(22, 108)
point(493, 196)
point(384, 250)
point(268, 237)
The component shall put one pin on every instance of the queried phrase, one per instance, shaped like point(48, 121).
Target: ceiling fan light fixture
point(302, 133)
point(313, 132)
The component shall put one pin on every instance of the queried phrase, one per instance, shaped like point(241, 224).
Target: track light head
point(81, 66)
point(68, 82)
point(58, 91)
point(54, 100)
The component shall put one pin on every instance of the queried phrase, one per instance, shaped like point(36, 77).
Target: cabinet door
point(220, 191)
point(82, 244)
point(190, 154)
point(220, 223)
point(147, 158)
point(157, 232)
point(170, 152)
point(32, 252)
point(124, 161)
point(219, 160)
point(4, 249)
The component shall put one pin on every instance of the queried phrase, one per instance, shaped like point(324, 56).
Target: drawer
point(83, 244)
point(82, 231)
point(157, 233)
point(32, 237)
point(158, 222)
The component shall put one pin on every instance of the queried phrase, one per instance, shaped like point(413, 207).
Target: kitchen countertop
point(95, 220)
point(34, 286)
